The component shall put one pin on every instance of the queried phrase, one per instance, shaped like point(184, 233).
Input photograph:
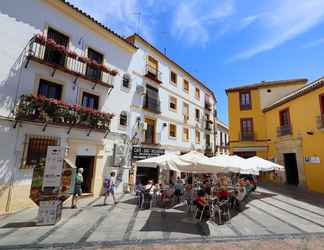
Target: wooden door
point(150, 131)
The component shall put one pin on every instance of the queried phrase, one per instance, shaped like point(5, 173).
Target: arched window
point(126, 81)
point(123, 118)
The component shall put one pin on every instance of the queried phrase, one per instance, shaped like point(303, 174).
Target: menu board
point(49, 212)
point(140, 153)
point(53, 169)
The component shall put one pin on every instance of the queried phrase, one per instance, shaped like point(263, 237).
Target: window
point(247, 129)
point(152, 66)
point(197, 93)
point(173, 103)
point(37, 149)
point(123, 119)
point(92, 72)
point(126, 81)
point(197, 136)
point(150, 131)
point(186, 111)
point(50, 89)
point(197, 115)
point(173, 77)
point(284, 118)
point(321, 97)
point(172, 130)
point(54, 56)
point(245, 100)
point(185, 86)
point(186, 134)
point(90, 100)
point(151, 100)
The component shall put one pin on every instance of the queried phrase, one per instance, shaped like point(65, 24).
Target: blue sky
point(226, 43)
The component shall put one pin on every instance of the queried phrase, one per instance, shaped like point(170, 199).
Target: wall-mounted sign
point(313, 159)
point(141, 153)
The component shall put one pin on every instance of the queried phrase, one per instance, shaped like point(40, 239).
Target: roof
point(92, 19)
point(264, 84)
point(297, 93)
point(132, 39)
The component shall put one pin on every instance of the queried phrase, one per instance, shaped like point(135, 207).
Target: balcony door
point(92, 72)
point(152, 65)
point(50, 89)
point(152, 99)
point(150, 131)
point(247, 129)
point(52, 55)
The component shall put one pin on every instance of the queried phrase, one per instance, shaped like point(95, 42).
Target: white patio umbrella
point(245, 166)
point(264, 165)
point(199, 163)
point(166, 161)
point(227, 162)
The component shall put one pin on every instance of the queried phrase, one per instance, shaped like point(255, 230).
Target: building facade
point(68, 80)
point(221, 138)
point(290, 125)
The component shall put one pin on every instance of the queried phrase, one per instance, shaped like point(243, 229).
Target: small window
point(90, 100)
point(186, 134)
point(245, 100)
point(123, 119)
point(186, 111)
point(185, 86)
point(197, 115)
point(173, 78)
point(50, 89)
point(197, 93)
point(172, 130)
point(173, 103)
point(126, 81)
point(37, 149)
point(197, 136)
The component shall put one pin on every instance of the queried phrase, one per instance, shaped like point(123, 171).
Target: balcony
point(208, 106)
point(247, 136)
point(151, 104)
point(209, 125)
point(47, 52)
point(320, 121)
point(284, 130)
point(153, 74)
point(51, 111)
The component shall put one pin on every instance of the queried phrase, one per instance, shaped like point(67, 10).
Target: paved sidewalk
point(280, 216)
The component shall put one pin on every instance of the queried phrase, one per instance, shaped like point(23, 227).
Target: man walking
point(109, 187)
point(77, 188)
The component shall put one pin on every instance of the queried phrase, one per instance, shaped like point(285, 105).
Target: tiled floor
point(268, 216)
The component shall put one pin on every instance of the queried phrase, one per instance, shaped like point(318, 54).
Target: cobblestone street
point(277, 220)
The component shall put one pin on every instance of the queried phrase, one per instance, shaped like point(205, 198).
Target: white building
point(221, 138)
point(128, 78)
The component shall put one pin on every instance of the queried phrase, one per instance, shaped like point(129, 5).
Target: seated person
point(223, 194)
point(206, 188)
point(201, 203)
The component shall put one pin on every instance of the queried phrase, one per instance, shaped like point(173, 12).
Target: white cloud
point(194, 21)
point(287, 20)
point(121, 15)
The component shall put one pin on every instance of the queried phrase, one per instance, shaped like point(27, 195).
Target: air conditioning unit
point(119, 156)
point(140, 90)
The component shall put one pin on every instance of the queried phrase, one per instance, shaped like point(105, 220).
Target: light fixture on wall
point(310, 132)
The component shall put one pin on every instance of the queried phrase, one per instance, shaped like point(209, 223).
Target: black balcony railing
point(247, 136)
point(320, 121)
point(208, 106)
point(209, 125)
point(152, 104)
point(46, 51)
point(284, 130)
point(51, 111)
point(153, 73)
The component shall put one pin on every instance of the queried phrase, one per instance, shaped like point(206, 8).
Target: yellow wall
point(303, 113)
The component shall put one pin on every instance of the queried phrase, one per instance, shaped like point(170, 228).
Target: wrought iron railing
point(320, 121)
point(46, 51)
point(152, 104)
point(247, 136)
point(153, 73)
point(284, 130)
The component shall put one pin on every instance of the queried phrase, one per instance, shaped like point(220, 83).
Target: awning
point(264, 165)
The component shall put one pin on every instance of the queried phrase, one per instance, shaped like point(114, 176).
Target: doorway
point(291, 169)
point(87, 163)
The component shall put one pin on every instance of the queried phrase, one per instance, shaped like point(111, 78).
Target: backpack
point(107, 183)
point(78, 179)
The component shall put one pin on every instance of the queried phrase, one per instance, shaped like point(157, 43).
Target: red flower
point(113, 72)
point(40, 38)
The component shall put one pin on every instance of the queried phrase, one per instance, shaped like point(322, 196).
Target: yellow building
point(281, 121)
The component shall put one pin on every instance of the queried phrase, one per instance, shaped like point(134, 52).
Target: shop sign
point(141, 153)
point(49, 212)
point(313, 159)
